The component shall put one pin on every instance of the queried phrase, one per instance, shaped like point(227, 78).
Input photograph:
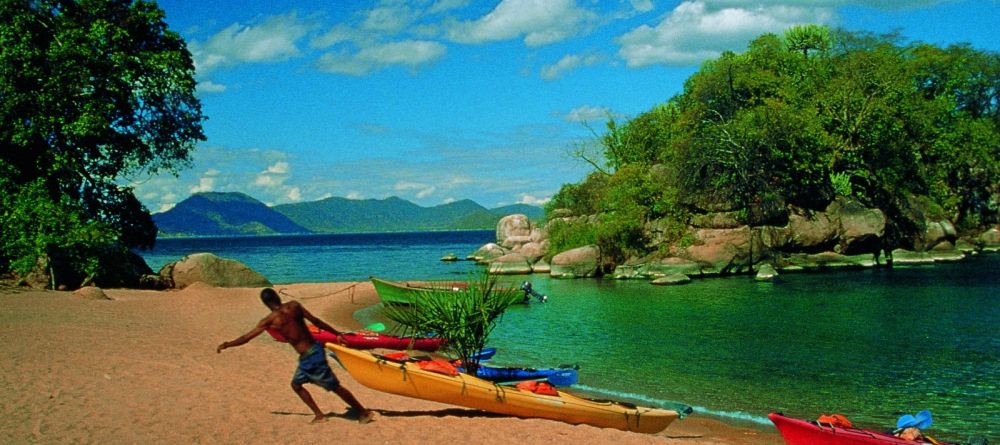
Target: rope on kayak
point(350, 289)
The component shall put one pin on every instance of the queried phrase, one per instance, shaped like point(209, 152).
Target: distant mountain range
point(220, 214)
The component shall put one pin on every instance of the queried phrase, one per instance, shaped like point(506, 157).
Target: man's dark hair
point(269, 297)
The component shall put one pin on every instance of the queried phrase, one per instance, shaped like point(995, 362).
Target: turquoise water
point(871, 344)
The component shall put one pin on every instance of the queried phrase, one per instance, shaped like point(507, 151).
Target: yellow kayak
point(407, 379)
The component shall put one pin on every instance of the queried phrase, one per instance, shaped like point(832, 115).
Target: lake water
point(870, 344)
point(335, 257)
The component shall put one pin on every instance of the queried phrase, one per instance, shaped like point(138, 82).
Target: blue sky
point(440, 100)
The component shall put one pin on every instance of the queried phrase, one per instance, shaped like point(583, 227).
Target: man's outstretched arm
point(243, 339)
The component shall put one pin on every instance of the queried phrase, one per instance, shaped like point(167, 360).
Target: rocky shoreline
point(844, 235)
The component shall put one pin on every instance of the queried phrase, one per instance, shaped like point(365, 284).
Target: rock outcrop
point(511, 264)
point(844, 234)
point(211, 270)
point(581, 262)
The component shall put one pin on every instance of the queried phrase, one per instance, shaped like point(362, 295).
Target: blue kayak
point(556, 376)
point(484, 354)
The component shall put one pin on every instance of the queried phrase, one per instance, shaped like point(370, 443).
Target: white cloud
point(642, 5)
point(409, 53)
point(407, 185)
point(390, 18)
point(541, 22)
point(273, 176)
point(567, 63)
point(337, 34)
point(446, 5)
point(263, 180)
point(457, 181)
point(205, 184)
point(210, 87)
point(294, 194)
point(351, 195)
point(167, 201)
point(880, 4)
point(422, 190)
point(531, 200)
point(272, 40)
point(278, 168)
point(698, 30)
point(587, 113)
point(426, 192)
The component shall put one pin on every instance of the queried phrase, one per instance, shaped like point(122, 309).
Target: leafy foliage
point(465, 317)
point(90, 92)
point(33, 226)
point(566, 234)
point(796, 119)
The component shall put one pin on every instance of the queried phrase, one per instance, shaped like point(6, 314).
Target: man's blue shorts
point(314, 369)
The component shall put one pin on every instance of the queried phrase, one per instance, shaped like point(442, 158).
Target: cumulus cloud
point(273, 176)
point(531, 200)
point(879, 4)
point(409, 53)
point(294, 194)
point(698, 30)
point(205, 184)
point(567, 63)
point(540, 22)
point(587, 113)
point(278, 168)
point(273, 40)
point(390, 17)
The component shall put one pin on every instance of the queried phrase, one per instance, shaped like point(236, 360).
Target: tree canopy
point(91, 92)
point(798, 119)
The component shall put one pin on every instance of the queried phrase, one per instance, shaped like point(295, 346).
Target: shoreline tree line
point(797, 119)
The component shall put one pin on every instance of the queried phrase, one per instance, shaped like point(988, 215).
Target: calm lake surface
point(870, 344)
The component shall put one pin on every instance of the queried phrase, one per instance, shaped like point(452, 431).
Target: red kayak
point(370, 340)
point(804, 432)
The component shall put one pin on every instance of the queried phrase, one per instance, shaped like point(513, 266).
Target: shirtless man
point(288, 319)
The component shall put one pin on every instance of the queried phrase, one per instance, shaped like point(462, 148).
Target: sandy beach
point(141, 367)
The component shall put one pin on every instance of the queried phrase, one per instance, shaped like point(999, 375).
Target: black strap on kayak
point(383, 360)
point(501, 392)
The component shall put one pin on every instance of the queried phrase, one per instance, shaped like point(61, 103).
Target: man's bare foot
point(366, 417)
point(318, 419)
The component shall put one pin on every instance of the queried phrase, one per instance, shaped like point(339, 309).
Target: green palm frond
point(466, 317)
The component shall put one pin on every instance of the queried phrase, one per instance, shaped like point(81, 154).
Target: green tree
point(92, 91)
point(807, 38)
point(910, 129)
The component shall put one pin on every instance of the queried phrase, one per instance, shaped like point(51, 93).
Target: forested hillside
point(795, 120)
point(231, 213)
